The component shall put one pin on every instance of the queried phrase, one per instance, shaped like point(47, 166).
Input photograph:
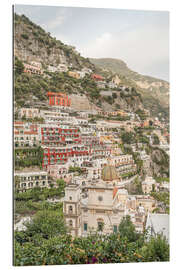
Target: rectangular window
point(115, 228)
point(85, 227)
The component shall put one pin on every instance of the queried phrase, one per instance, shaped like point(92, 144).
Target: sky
point(139, 38)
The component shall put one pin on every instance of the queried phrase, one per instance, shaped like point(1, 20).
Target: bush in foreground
point(46, 242)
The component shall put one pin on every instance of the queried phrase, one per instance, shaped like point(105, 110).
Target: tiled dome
point(109, 173)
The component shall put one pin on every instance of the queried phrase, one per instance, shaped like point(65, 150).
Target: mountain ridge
point(147, 86)
point(106, 61)
point(32, 43)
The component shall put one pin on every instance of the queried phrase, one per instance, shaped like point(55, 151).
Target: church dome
point(109, 173)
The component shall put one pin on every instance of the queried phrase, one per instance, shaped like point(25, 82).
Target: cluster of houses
point(96, 197)
point(69, 141)
point(100, 205)
point(34, 67)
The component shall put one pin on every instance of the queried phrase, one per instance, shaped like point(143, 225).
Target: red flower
point(94, 259)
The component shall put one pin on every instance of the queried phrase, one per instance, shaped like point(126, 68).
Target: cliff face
point(154, 92)
point(130, 103)
point(159, 163)
point(32, 43)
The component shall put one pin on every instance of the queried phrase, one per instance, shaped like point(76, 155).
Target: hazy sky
point(140, 38)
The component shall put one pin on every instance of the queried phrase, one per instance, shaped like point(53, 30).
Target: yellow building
point(74, 74)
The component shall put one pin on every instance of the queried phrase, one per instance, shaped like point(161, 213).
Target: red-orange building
point(97, 77)
point(53, 156)
point(55, 136)
point(58, 99)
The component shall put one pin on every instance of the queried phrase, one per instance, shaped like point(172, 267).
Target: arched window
point(70, 209)
point(70, 198)
point(70, 223)
point(100, 224)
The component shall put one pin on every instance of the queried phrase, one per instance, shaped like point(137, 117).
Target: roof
point(159, 223)
point(28, 171)
point(56, 94)
point(149, 180)
point(31, 66)
point(109, 173)
point(97, 76)
point(18, 123)
point(115, 191)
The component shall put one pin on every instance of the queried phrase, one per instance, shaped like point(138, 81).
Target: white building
point(30, 179)
point(93, 173)
point(158, 224)
point(101, 84)
point(164, 185)
point(57, 117)
point(52, 69)
point(60, 171)
point(78, 161)
point(62, 68)
point(36, 64)
point(86, 130)
point(87, 70)
point(59, 68)
point(28, 112)
point(81, 74)
point(26, 134)
point(100, 204)
point(138, 217)
point(81, 121)
point(72, 209)
point(143, 155)
point(148, 185)
point(112, 85)
point(101, 208)
point(123, 163)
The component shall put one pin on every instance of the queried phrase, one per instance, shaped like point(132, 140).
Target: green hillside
point(155, 92)
point(32, 43)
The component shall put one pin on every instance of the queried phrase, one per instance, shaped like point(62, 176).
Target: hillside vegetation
point(155, 92)
point(32, 43)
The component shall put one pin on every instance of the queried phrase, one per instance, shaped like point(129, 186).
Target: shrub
point(19, 67)
point(157, 249)
point(24, 36)
point(41, 246)
point(114, 95)
point(128, 137)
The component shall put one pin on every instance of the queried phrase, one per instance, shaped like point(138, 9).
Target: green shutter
point(85, 226)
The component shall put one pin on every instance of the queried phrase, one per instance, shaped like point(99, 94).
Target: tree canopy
point(46, 242)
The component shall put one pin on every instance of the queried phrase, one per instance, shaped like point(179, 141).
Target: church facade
point(100, 205)
point(96, 206)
